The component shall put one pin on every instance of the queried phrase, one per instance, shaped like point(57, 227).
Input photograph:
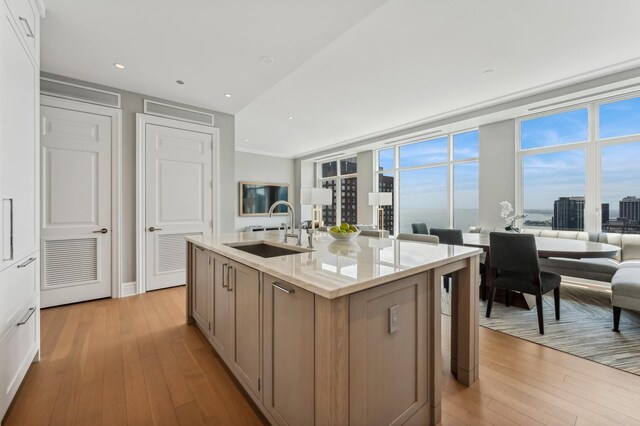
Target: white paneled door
point(178, 199)
point(76, 206)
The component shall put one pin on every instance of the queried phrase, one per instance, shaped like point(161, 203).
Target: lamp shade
point(380, 198)
point(315, 196)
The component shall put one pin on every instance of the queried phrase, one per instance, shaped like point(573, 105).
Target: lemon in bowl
point(344, 231)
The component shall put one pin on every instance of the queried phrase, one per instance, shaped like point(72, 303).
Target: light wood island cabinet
point(220, 304)
point(245, 326)
point(311, 356)
point(289, 352)
point(202, 288)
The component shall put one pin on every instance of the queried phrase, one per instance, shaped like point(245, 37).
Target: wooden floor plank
point(135, 389)
point(114, 411)
point(135, 361)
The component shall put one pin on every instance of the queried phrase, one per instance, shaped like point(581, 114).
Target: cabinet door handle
point(225, 271)
point(27, 262)
point(10, 233)
point(101, 231)
point(27, 27)
point(229, 268)
point(29, 314)
point(283, 289)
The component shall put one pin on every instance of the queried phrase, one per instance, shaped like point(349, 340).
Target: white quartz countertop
point(337, 268)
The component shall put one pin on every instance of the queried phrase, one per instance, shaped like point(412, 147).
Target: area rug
point(584, 329)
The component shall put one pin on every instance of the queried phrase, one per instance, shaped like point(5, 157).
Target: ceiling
point(214, 46)
point(342, 70)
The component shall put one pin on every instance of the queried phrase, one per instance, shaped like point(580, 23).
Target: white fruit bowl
point(344, 237)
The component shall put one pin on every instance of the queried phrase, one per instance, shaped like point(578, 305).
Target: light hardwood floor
point(134, 361)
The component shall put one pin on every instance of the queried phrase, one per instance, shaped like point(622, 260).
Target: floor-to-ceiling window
point(578, 167)
point(434, 181)
point(341, 177)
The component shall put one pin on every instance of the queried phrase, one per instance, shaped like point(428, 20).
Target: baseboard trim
point(583, 282)
point(129, 289)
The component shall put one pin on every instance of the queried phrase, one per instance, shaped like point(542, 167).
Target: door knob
point(152, 229)
point(102, 231)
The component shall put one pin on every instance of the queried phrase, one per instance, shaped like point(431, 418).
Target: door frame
point(116, 179)
point(141, 132)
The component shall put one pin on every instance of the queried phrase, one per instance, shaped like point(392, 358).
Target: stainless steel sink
point(266, 250)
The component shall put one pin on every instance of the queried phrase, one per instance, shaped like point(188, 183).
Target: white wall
point(304, 177)
point(365, 186)
point(497, 171)
point(133, 103)
point(263, 168)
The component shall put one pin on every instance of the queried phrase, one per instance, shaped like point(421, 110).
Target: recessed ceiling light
point(180, 82)
point(119, 66)
point(290, 118)
point(227, 95)
point(246, 140)
point(266, 59)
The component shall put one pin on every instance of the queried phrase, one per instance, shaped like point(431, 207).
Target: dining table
point(547, 247)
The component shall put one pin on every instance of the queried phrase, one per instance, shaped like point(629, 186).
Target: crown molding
point(260, 152)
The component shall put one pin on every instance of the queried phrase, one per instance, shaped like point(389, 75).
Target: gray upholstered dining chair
point(374, 233)
point(419, 228)
point(418, 237)
point(452, 237)
point(514, 259)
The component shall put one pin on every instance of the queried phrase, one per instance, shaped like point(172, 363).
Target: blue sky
point(549, 176)
point(620, 173)
point(546, 176)
point(620, 118)
point(556, 129)
point(421, 153)
point(427, 188)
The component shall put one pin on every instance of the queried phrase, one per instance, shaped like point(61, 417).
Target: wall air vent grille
point(171, 252)
point(70, 262)
point(76, 92)
point(178, 113)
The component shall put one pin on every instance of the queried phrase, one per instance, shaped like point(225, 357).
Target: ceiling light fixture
point(180, 82)
point(290, 118)
point(246, 140)
point(119, 66)
point(227, 95)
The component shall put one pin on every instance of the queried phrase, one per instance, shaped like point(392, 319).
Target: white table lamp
point(316, 197)
point(379, 199)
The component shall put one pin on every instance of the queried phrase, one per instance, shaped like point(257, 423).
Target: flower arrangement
point(509, 220)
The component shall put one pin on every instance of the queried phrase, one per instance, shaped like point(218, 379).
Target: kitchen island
point(347, 333)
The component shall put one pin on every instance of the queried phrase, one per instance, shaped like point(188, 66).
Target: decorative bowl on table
point(343, 232)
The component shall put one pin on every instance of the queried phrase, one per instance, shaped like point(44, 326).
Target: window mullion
point(450, 182)
point(593, 213)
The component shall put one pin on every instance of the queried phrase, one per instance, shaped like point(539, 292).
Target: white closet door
point(178, 199)
point(76, 206)
point(18, 195)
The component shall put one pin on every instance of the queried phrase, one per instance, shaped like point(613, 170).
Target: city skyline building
point(630, 209)
point(568, 214)
point(385, 184)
